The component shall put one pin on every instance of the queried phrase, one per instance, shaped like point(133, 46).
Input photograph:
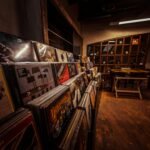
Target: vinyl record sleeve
point(92, 97)
point(78, 66)
point(72, 69)
point(6, 103)
point(45, 52)
point(61, 72)
point(61, 55)
point(15, 49)
point(34, 80)
point(74, 89)
point(77, 133)
point(70, 57)
point(52, 114)
point(88, 89)
point(81, 84)
point(29, 80)
point(74, 93)
point(19, 132)
point(86, 105)
point(98, 78)
point(94, 84)
point(86, 80)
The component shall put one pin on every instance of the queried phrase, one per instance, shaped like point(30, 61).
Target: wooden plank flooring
point(122, 124)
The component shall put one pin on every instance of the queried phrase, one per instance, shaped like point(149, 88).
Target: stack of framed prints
point(18, 131)
point(76, 135)
point(6, 103)
point(61, 72)
point(45, 52)
point(14, 49)
point(61, 55)
point(52, 112)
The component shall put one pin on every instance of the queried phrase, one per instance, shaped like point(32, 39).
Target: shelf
point(129, 51)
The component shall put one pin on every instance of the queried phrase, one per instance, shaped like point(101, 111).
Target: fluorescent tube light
point(134, 21)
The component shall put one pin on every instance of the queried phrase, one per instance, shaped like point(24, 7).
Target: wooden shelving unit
point(129, 51)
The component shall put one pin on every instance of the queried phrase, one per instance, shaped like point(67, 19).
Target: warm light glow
point(134, 21)
point(22, 51)
point(111, 41)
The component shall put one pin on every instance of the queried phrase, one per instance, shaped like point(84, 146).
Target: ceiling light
point(134, 21)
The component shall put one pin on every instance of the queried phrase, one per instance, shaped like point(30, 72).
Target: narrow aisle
point(122, 124)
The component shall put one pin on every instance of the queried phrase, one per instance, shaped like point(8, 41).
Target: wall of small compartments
point(129, 51)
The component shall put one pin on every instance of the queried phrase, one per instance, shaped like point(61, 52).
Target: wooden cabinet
point(129, 51)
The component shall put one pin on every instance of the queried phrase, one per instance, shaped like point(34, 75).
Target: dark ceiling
point(111, 10)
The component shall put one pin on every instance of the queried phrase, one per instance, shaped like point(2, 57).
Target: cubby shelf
point(128, 51)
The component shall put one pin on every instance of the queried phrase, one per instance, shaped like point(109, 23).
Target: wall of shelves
point(129, 51)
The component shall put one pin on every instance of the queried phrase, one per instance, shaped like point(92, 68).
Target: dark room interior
point(74, 74)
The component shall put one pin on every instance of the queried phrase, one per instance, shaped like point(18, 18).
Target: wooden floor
point(122, 124)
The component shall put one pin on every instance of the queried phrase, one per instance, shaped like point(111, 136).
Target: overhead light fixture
point(134, 21)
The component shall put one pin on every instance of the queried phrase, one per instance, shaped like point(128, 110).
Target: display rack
point(128, 51)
